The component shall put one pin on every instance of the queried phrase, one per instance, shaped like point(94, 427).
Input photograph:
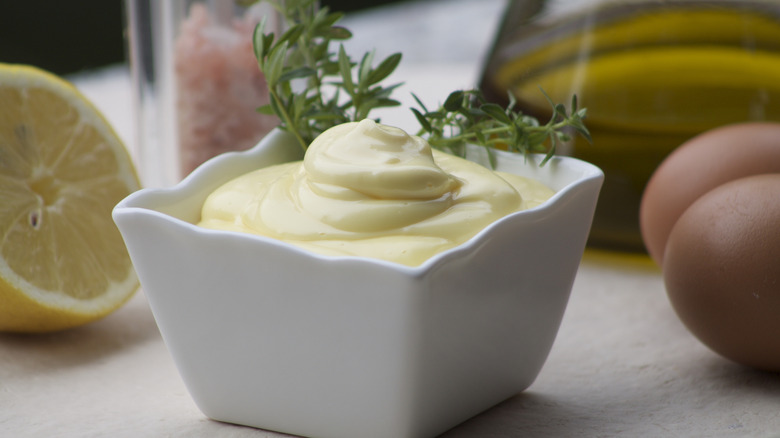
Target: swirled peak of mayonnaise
point(371, 190)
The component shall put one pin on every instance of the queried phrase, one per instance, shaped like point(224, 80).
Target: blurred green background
point(66, 37)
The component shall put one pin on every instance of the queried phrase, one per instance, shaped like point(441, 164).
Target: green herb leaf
point(384, 69)
point(345, 69)
point(419, 102)
point(454, 101)
point(258, 41)
point(426, 125)
point(267, 110)
point(338, 33)
point(291, 35)
point(496, 112)
point(275, 64)
point(365, 67)
point(298, 73)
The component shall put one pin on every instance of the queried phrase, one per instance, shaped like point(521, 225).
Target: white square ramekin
point(269, 335)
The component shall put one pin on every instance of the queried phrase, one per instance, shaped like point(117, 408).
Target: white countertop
point(622, 365)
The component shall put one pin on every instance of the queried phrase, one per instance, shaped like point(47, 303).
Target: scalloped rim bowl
point(268, 335)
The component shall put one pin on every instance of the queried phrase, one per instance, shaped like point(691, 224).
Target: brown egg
point(698, 166)
point(722, 270)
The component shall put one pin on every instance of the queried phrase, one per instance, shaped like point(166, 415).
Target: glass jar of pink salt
point(196, 83)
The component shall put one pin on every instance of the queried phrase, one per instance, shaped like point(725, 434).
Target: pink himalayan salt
point(219, 86)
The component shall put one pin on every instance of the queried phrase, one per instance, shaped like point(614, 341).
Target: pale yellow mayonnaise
point(371, 190)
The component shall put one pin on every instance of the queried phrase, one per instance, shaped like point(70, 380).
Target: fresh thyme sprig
point(302, 53)
point(466, 117)
point(313, 88)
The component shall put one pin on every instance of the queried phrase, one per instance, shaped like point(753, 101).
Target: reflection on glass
point(196, 80)
point(652, 75)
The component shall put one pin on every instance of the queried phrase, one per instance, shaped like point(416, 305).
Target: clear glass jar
point(196, 83)
point(652, 73)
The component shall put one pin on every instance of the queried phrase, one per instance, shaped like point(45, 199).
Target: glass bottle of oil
point(652, 75)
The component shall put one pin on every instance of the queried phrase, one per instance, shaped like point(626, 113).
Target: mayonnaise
point(371, 190)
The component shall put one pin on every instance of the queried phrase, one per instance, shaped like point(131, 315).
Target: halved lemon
point(63, 262)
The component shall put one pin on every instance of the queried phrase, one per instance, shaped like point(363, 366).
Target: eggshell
point(698, 166)
point(722, 270)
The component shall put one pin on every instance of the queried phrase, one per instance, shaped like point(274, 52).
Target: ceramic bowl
point(268, 335)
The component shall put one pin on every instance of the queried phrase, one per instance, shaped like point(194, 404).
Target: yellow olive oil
point(652, 75)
